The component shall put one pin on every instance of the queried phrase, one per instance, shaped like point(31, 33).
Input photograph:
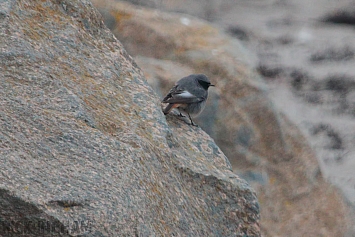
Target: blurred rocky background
point(283, 108)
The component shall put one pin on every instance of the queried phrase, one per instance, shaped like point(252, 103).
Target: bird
point(189, 96)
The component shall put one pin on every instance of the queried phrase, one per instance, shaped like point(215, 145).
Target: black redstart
point(189, 95)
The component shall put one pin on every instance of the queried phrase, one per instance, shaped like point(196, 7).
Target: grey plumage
point(189, 95)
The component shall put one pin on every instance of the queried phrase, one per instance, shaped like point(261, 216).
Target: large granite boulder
point(85, 149)
point(261, 143)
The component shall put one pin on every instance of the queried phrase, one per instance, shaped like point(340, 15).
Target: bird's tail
point(169, 107)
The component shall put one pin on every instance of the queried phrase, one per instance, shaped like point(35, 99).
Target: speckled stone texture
point(85, 149)
point(262, 144)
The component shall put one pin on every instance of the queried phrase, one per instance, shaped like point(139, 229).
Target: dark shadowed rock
point(344, 16)
point(342, 54)
point(85, 149)
point(269, 72)
point(238, 32)
point(261, 143)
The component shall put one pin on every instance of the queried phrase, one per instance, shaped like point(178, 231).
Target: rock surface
point(310, 44)
point(261, 143)
point(84, 146)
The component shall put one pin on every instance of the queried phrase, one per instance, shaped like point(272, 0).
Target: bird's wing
point(181, 96)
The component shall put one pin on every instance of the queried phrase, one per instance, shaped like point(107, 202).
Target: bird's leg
point(181, 115)
point(192, 123)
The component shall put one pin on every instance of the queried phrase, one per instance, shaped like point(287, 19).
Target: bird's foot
point(193, 124)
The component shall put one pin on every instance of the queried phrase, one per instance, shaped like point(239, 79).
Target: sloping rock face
point(84, 147)
point(261, 143)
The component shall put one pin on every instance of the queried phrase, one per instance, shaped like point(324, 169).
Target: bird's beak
point(212, 85)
